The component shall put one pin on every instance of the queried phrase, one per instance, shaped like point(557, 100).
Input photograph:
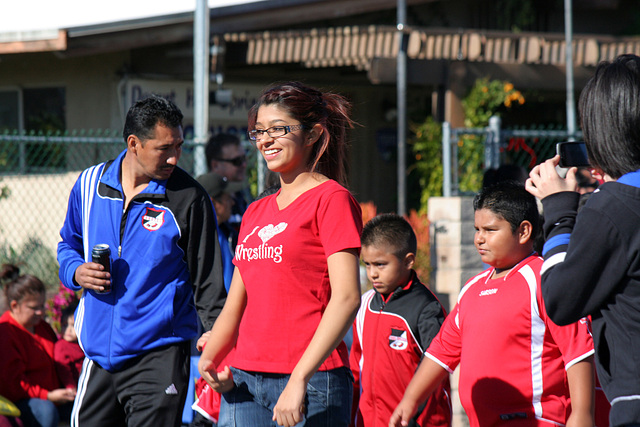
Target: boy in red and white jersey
point(397, 320)
point(516, 365)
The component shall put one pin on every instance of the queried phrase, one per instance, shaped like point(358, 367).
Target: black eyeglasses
point(236, 161)
point(273, 132)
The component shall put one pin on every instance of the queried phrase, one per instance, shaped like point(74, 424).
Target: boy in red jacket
point(397, 320)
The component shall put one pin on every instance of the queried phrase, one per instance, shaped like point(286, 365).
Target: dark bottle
point(101, 254)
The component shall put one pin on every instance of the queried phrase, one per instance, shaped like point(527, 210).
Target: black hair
point(145, 114)
point(585, 180)
point(391, 230)
point(17, 287)
point(610, 116)
point(216, 143)
point(68, 311)
point(512, 202)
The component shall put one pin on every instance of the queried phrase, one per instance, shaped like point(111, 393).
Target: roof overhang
point(175, 28)
point(33, 41)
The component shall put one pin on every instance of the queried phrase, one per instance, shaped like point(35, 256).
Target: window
point(9, 110)
point(44, 109)
point(32, 111)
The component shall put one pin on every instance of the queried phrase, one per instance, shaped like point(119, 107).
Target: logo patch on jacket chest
point(153, 219)
point(398, 339)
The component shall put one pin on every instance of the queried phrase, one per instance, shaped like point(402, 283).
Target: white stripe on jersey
point(444, 366)
point(552, 261)
point(579, 359)
point(78, 321)
point(364, 306)
point(537, 340)
point(90, 179)
point(89, 185)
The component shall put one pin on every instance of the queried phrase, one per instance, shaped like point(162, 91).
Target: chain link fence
point(528, 147)
point(520, 146)
point(37, 172)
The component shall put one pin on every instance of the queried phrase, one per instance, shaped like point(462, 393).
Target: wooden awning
point(358, 46)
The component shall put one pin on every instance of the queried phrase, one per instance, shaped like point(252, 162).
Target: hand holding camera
point(558, 173)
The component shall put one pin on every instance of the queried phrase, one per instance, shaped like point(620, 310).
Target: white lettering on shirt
point(264, 251)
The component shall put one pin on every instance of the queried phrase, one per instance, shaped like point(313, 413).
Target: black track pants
point(149, 391)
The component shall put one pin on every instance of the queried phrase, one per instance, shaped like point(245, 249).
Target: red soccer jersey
point(512, 357)
point(282, 258)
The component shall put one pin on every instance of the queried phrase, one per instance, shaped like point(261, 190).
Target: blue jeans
point(251, 402)
point(38, 413)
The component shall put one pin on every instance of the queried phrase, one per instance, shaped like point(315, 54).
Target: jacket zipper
point(375, 348)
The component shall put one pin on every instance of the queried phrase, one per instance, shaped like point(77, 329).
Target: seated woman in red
point(29, 376)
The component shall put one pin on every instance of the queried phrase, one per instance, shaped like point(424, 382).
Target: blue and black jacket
point(165, 263)
point(592, 267)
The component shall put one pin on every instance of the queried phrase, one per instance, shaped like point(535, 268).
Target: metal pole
point(446, 159)
point(492, 148)
point(571, 104)
point(200, 84)
point(402, 103)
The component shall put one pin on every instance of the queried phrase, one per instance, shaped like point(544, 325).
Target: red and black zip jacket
point(390, 336)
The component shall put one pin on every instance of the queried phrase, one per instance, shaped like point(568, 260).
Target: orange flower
point(369, 210)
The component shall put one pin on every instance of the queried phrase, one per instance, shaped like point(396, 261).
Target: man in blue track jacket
point(165, 270)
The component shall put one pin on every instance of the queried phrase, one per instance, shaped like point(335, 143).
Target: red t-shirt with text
point(282, 258)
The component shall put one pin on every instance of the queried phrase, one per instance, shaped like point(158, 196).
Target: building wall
point(90, 83)
point(93, 101)
point(372, 157)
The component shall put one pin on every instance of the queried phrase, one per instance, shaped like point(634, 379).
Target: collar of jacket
point(378, 301)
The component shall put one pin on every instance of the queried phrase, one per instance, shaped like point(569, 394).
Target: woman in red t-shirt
point(28, 374)
point(295, 289)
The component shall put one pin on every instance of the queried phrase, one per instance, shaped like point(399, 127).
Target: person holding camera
point(592, 260)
